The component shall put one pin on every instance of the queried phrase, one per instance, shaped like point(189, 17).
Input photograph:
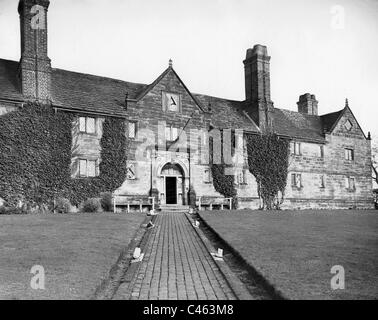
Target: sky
point(326, 47)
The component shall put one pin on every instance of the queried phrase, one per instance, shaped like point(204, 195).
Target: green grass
point(295, 250)
point(76, 251)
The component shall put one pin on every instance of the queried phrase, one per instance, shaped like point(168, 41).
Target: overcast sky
point(325, 47)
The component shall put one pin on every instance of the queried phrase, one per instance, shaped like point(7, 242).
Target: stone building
point(330, 154)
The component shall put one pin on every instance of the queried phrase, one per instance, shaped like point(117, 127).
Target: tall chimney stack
point(257, 86)
point(308, 104)
point(35, 66)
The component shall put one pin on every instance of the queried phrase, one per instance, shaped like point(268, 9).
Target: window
point(87, 168)
point(349, 154)
point(132, 130)
point(87, 125)
point(350, 183)
point(321, 151)
point(207, 176)
point(171, 134)
point(295, 148)
point(241, 177)
point(296, 180)
point(322, 182)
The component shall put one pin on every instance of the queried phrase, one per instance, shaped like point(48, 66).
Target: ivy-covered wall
point(35, 157)
point(34, 162)
point(268, 161)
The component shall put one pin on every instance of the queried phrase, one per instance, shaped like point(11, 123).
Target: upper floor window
point(296, 148)
point(349, 154)
point(88, 168)
point(171, 133)
point(321, 151)
point(132, 130)
point(87, 125)
point(296, 180)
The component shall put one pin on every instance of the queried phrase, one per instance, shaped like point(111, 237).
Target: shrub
point(62, 205)
point(107, 201)
point(13, 210)
point(92, 205)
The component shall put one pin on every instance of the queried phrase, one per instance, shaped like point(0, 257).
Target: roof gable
point(347, 123)
point(170, 71)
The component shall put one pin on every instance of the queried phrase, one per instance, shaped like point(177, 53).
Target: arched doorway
point(173, 176)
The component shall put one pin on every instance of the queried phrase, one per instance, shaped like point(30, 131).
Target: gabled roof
point(332, 119)
point(153, 84)
point(329, 120)
point(89, 93)
point(94, 94)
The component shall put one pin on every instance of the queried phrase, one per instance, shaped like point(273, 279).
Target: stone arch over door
point(173, 180)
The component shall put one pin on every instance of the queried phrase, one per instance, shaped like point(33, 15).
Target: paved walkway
point(176, 266)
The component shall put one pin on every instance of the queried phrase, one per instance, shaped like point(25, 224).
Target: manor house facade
point(330, 154)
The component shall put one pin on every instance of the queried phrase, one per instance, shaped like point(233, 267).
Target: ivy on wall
point(35, 157)
point(114, 146)
point(34, 162)
point(223, 181)
point(268, 161)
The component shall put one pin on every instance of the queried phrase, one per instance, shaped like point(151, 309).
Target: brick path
point(176, 266)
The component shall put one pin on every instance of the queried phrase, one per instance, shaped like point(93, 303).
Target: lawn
point(76, 251)
point(295, 250)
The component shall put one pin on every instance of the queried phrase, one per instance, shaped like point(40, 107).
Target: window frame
point(349, 154)
point(86, 125)
point(294, 149)
point(321, 151)
point(171, 130)
point(348, 183)
point(322, 182)
point(135, 123)
point(87, 161)
point(294, 184)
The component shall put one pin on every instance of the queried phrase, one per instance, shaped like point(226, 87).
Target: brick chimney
point(257, 86)
point(308, 104)
point(35, 66)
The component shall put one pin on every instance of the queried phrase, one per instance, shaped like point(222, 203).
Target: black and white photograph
point(183, 155)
